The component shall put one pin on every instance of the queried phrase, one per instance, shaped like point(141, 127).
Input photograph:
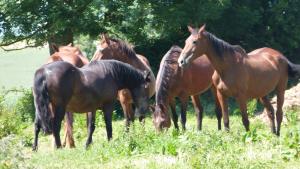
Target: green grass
point(142, 147)
point(17, 67)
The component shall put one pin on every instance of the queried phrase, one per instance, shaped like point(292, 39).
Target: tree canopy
point(153, 26)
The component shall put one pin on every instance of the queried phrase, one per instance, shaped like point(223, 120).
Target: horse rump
point(41, 101)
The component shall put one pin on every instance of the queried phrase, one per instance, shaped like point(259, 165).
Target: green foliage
point(251, 107)
point(152, 26)
point(2, 98)
point(11, 155)
point(9, 124)
point(292, 116)
point(25, 106)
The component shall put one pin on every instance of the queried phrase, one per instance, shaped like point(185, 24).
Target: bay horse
point(60, 87)
point(110, 48)
point(74, 56)
point(173, 82)
point(241, 75)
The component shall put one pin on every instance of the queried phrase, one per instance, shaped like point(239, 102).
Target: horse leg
point(37, 128)
point(68, 136)
point(280, 99)
point(199, 110)
point(174, 114)
point(128, 112)
point(217, 107)
point(107, 109)
point(58, 117)
point(243, 107)
point(224, 107)
point(91, 127)
point(183, 101)
point(270, 111)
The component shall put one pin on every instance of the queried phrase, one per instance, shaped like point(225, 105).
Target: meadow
point(142, 146)
point(17, 67)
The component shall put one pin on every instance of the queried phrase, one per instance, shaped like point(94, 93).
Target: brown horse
point(74, 56)
point(60, 87)
point(116, 49)
point(173, 82)
point(240, 75)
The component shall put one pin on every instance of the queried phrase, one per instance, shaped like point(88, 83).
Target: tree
point(40, 21)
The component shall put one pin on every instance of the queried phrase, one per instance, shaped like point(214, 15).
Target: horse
point(173, 82)
point(110, 48)
point(60, 87)
point(74, 56)
point(241, 75)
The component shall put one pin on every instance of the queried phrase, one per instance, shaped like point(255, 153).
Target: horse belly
point(262, 82)
point(82, 104)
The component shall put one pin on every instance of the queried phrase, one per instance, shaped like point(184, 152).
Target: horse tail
point(42, 100)
point(293, 70)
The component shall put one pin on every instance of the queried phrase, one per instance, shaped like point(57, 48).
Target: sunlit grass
point(142, 147)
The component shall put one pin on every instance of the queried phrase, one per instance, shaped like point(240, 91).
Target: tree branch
point(23, 38)
point(28, 46)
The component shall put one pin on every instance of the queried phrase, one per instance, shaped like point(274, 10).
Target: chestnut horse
point(241, 75)
point(173, 82)
point(60, 87)
point(116, 49)
point(74, 56)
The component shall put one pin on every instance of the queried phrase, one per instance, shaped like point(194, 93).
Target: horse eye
point(194, 42)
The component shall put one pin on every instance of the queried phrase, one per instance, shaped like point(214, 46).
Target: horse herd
point(69, 82)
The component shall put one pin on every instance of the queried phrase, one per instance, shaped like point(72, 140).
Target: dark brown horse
point(116, 49)
point(74, 56)
point(241, 75)
point(173, 82)
point(60, 87)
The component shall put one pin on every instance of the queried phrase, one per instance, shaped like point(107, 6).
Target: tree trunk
point(60, 39)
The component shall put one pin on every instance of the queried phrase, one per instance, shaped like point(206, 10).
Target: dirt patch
point(291, 101)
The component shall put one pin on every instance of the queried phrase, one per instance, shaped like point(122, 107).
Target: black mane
point(123, 73)
point(221, 47)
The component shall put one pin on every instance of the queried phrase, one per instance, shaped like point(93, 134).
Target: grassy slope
point(17, 67)
point(142, 147)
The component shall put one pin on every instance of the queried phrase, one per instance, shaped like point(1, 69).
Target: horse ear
point(70, 44)
point(202, 29)
point(106, 38)
point(54, 47)
point(191, 29)
point(147, 76)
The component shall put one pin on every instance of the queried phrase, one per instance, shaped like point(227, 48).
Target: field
point(17, 67)
point(142, 146)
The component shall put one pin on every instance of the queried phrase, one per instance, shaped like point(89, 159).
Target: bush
point(1, 103)
point(25, 106)
point(12, 121)
point(9, 124)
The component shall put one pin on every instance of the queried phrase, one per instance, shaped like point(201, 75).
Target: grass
point(17, 67)
point(142, 147)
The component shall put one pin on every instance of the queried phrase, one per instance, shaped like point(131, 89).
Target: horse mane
point(165, 73)
point(124, 47)
point(221, 47)
point(123, 73)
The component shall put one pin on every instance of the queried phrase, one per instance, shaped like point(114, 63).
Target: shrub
point(25, 106)
point(9, 124)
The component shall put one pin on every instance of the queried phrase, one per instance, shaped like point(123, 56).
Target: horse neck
point(219, 62)
point(126, 79)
